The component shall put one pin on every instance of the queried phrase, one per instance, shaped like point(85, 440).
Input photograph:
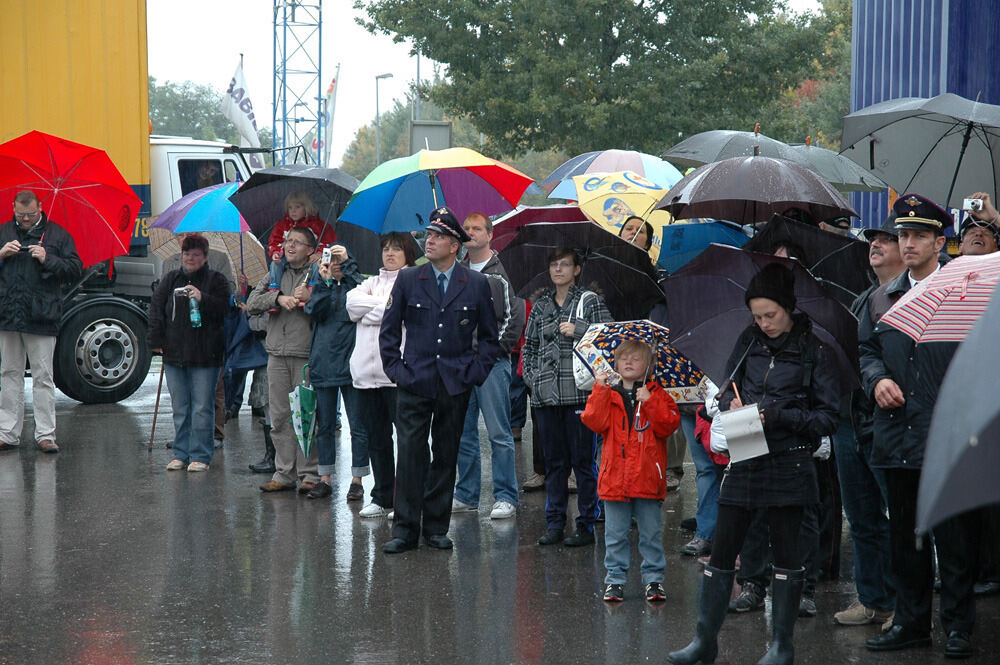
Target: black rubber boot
point(786, 590)
point(713, 601)
point(266, 465)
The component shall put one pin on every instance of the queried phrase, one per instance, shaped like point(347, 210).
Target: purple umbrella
point(505, 228)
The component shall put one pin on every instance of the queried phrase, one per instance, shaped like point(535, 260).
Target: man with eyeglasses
point(37, 256)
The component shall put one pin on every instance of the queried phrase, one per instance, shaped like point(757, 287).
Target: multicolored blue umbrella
point(650, 167)
point(206, 209)
point(672, 371)
point(398, 195)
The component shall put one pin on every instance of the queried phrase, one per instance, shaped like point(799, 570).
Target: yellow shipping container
point(78, 69)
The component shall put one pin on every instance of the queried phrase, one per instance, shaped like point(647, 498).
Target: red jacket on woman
point(633, 461)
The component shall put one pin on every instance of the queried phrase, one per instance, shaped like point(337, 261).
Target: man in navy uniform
point(451, 345)
point(903, 379)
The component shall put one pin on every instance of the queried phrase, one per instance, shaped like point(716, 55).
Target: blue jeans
point(493, 400)
point(708, 479)
point(327, 400)
point(617, 524)
point(192, 395)
point(567, 445)
point(863, 491)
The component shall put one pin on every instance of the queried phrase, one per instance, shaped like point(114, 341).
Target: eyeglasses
point(299, 243)
point(26, 215)
point(561, 264)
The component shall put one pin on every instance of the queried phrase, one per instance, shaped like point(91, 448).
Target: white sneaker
point(372, 510)
point(462, 507)
point(176, 465)
point(502, 510)
point(391, 515)
point(197, 466)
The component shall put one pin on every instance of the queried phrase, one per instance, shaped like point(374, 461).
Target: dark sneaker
point(356, 492)
point(697, 547)
point(551, 537)
point(614, 593)
point(320, 491)
point(654, 592)
point(807, 607)
point(751, 598)
point(579, 539)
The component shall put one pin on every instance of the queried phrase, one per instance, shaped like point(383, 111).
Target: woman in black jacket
point(193, 349)
point(779, 364)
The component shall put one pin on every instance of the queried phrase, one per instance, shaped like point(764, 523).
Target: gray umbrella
point(718, 144)
point(962, 459)
point(836, 169)
point(747, 190)
point(944, 148)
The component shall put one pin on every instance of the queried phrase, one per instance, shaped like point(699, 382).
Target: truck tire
point(101, 355)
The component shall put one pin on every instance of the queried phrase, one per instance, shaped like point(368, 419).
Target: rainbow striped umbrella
point(400, 194)
point(944, 307)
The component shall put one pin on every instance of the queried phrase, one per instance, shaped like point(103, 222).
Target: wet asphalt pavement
point(107, 558)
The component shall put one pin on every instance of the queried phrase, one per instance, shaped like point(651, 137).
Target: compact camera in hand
point(972, 204)
point(327, 255)
point(182, 291)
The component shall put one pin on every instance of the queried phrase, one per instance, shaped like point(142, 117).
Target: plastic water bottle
point(195, 313)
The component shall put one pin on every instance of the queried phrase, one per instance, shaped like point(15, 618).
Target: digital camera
point(972, 204)
point(181, 291)
point(327, 255)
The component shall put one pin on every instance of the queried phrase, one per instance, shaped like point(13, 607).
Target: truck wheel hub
point(105, 352)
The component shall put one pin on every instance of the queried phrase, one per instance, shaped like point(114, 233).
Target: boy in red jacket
point(634, 420)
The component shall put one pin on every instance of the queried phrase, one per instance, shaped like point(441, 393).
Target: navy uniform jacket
point(439, 336)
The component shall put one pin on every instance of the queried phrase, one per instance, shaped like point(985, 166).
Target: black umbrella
point(622, 272)
point(748, 190)
point(839, 262)
point(261, 201)
point(708, 310)
point(945, 147)
point(963, 446)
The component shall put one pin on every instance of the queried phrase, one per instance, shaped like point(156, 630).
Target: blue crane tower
point(298, 117)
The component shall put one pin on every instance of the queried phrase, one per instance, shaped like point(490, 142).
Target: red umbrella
point(79, 187)
point(505, 228)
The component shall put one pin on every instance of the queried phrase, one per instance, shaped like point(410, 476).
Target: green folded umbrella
point(303, 401)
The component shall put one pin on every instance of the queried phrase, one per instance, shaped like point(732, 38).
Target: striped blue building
point(921, 48)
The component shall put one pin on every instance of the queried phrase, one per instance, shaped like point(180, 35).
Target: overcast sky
point(201, 41)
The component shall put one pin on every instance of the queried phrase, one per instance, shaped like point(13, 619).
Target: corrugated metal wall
point(921, 48)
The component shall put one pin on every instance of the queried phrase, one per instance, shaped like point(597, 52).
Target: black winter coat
point(170, 319)
point(333, 332)
point(900, 434)
point(772, 377)
point(32, 291)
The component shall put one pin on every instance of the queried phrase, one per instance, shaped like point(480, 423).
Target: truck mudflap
point(101, 352)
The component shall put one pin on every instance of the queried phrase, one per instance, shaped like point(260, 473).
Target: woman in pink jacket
point(376, 393)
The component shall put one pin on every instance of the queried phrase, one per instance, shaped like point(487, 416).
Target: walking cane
point(156, 408)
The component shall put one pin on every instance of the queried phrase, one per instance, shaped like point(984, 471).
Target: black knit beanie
point(775, 282)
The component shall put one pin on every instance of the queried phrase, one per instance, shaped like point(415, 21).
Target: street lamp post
point(378, 122)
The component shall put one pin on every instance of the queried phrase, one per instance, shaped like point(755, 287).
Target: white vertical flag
point(238, 109)
point(331, 105)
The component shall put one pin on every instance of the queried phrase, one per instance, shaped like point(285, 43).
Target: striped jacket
point(547, 356)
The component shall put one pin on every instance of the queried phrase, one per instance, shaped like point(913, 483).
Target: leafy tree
point(816, 107)
point(359, 158)
point(592, 74)
point(191, 109)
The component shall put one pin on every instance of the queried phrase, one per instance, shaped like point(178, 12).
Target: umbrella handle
point(433, 189)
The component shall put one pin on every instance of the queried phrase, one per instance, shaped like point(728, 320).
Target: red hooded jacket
point(633, 460)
